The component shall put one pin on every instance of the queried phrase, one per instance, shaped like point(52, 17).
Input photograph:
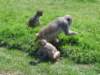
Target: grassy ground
point(82, 48)
point(15, 62)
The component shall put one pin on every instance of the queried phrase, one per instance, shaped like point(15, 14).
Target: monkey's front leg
point(72, 32)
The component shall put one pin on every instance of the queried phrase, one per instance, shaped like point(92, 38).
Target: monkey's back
point(50, 32)
point(50, 50)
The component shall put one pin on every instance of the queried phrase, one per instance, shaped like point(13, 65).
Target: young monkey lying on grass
point(48, 50)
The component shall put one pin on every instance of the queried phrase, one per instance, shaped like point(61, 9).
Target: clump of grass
point(77, 49)
point(17, 38)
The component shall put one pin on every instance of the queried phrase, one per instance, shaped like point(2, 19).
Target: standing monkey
point(50, 32)
point(35, 20)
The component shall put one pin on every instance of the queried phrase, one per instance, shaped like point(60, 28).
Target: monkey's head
point(68, 18)
point(39, 12)
point(43, 42)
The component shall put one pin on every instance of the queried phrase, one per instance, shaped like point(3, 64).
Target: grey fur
point(50, 32)
point(35, 20)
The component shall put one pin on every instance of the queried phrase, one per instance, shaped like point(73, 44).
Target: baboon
point(35, 20)
point(50, 32)
point(48, 50)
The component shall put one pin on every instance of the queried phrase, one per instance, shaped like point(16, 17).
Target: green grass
point(82, 48)
point(15, 62)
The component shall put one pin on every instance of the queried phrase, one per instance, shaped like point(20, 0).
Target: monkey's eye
point(68, 19)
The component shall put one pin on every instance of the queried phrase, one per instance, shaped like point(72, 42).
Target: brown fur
point(47, 49)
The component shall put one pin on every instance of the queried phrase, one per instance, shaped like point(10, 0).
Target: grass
point(82, 48)
point(15, 62)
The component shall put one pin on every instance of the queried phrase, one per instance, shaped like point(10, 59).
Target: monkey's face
point(68, 18)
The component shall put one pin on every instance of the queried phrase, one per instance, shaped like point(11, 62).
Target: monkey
point(61, 24)
point(48, 50)
point(35, 20)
